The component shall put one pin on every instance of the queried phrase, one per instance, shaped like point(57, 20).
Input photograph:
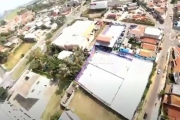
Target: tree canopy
point(3, 22)
point(3, 93)
point(65, 69)
point(56, 116)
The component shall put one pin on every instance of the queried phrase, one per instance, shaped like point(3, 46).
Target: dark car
point(145, 115)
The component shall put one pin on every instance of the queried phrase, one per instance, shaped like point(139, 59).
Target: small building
point(99, 5)
point(69, 115)
point(64, 54)
point(30, 37)
point(153, 32)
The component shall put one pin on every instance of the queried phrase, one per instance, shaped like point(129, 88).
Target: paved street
point(152, 97)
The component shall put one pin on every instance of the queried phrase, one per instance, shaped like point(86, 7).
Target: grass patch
point(13, 13)
point(17, 73)
point(16, 55)
point(53, 105)
point(89, 108)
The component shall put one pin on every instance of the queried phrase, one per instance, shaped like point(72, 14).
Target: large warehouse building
point(71, 37)
point(118, 82)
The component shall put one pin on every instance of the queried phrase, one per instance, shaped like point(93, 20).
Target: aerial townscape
point(91, 60)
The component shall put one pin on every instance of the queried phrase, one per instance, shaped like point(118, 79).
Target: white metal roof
point(104, 87)
point(111, 63)
point(132, 89)
point(115, 31)
point(176, 89)
point(64, 54)
point(30, 36)
point(121, 84)
point(152, 31)
point(82, 26)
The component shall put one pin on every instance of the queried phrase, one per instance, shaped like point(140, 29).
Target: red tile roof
point(147, 46)
point(177, 60)
point(103, 38)
point(173, 112)
point(139, 30)
point(149, 40)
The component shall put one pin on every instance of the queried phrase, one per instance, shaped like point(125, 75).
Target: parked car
point(145, 116)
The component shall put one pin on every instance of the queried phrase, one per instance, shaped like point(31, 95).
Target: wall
point(124, 52)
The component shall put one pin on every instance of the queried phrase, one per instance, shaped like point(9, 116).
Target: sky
point(11, 4)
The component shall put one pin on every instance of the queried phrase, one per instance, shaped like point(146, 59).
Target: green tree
point(3, 93)
point(48, 36)
point(3, 57)
point(161, 93)
point(56, 116)
point(3, 22)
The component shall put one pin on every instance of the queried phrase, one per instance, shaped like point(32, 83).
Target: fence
point(123, 52)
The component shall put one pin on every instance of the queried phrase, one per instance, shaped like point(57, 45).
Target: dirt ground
point(88, 108)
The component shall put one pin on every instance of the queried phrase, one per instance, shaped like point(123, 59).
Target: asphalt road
point(168, 42)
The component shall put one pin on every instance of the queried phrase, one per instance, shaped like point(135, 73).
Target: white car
point(159, 71)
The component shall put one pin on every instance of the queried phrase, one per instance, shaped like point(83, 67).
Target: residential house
point(30, 93)
point(12, 42)
point(150, 47)
point(149, 41)
point(30, 37)
point(153, 32)
point(176, 61)
point(136, 31)
point(69, 115)
point(171, 105)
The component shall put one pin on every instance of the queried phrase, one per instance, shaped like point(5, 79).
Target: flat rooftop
point(109, 35)
point(116, 81)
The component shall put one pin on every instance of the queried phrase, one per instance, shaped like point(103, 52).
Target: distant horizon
point(11, 4)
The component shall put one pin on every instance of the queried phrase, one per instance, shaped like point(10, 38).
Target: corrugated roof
point(102, 38)
point(148, 46)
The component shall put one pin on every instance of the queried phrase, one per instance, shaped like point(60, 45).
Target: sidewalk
point(155, 111)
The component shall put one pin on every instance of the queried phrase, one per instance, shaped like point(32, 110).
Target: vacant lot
point(88, 108)
point(15, 56)
point(13, 14)
point(53, 105)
